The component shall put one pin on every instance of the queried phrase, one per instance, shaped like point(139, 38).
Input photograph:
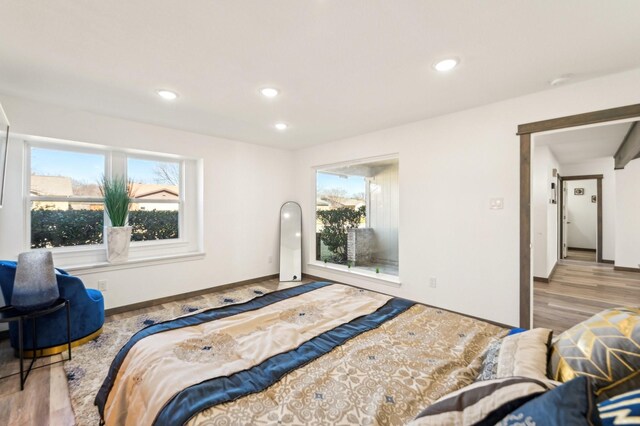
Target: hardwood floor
point(577, 290)
point(582, 255)
point(45, 399)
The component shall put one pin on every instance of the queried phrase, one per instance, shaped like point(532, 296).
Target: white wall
point(582, 215)
point(383, 212)
point(449, 168)
point(544, 214)
point(604, 167)
point(628, 216)
point(244, 187)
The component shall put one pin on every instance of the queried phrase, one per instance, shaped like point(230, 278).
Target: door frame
point(599, 232)
point(524, 132)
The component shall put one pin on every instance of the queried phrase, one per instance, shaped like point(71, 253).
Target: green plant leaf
point(336, 224)
point(117, 193)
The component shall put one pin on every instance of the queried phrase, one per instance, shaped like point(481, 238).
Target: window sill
point(343, 270)
point(134, 246)
point(95, 268)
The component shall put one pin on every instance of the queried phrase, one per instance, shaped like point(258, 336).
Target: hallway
point(576, 291)
point(582, 255)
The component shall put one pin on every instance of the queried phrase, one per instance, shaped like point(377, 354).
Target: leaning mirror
point(290, 242)
point(4, 143)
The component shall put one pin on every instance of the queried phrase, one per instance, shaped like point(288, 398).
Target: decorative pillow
point(621, 410)
point(606, 348)
point(573, 403)
point(521, 354)
point(481, 403)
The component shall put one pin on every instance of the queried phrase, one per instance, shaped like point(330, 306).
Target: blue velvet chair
point(87, 314)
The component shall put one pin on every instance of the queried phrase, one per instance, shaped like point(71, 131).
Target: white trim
point(358, 161)
point(387, 279)
point(95, 268)
point(65, 198)
point(154, 200)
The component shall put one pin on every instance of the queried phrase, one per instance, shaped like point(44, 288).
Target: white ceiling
point(576, 146)
point(344, 67)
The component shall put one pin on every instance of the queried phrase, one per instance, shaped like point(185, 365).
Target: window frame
point(393, 279)
point(29, 199)
point(180, 201)
point(116, 163)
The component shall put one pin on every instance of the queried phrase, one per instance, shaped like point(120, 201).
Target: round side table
point(11, 314)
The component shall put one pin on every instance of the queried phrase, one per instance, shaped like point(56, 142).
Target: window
point(66, 204)
point(357, 208)
point(155, 212)
point(66, 208)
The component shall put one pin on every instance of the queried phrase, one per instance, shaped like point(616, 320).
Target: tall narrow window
point(155, 213)
point(66, 204)
point(357, 208)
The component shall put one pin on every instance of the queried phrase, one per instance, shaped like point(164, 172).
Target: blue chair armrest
point(94, 294)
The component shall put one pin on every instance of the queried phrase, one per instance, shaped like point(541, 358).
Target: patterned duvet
point(317, 354)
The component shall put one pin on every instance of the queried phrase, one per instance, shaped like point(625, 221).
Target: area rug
point(90, 362)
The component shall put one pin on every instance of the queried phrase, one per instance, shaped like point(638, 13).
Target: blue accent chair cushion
point(86, 305)
point(572, 403)
point(621, 410)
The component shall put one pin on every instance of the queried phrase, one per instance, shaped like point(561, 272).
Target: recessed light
point(446, 64)
point(269, 92)
point(281, 126)
point(167, 94)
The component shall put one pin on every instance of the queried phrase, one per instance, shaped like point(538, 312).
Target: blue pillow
point(516, 331)
point(572, 403)
point(621, 410)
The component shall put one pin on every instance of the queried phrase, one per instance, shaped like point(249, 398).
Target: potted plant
point(117, 193)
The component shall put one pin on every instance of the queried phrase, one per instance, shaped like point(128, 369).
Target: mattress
point(318, 353)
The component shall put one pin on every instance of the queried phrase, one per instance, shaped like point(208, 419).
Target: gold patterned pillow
point(606, 348)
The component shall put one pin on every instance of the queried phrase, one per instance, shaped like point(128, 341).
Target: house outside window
point(357, 207)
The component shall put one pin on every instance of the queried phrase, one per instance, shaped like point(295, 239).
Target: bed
point(318, 353)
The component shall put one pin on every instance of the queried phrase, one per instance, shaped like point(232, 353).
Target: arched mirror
point(290, 242)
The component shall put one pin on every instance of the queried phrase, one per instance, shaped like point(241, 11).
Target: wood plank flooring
point(45, 399)
point(582, 255)
point(578, 290)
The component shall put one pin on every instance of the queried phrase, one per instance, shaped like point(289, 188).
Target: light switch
point(496, 203)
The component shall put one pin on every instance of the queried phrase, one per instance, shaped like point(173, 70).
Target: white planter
point(117, 239)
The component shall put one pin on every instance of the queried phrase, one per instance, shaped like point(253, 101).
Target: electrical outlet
point(102, 285)
point(433, 282)
point(270, 259)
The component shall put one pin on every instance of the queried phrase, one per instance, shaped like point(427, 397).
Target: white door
point(565, 221)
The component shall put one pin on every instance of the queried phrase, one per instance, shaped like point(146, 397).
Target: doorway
point(525, 132)
point(580, 219)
